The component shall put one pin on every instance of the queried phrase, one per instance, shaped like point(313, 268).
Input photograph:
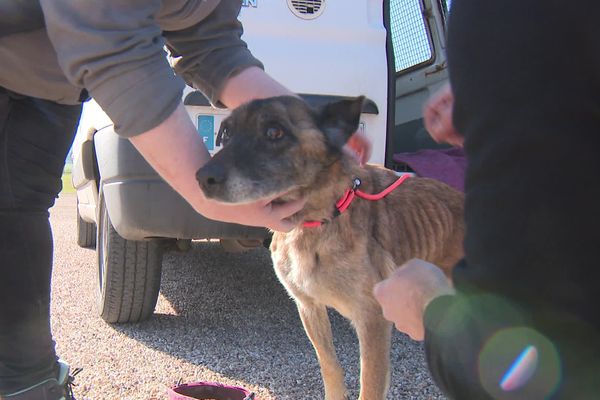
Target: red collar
point(344, 202)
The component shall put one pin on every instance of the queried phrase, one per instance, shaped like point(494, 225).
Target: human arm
point(229, 75)
point(114, 49)
point(405, 295)
point(471, 338)
point(19, 17)
point(420, 301)
point(437, 116)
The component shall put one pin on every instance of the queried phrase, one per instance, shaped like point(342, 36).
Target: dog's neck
point(331, 184)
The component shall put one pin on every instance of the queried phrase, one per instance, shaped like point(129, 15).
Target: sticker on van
point(206, 129)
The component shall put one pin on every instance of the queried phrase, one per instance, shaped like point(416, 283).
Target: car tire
point(86, 233)
point(128, 273)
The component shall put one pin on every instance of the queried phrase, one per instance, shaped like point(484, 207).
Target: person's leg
point(35, 136)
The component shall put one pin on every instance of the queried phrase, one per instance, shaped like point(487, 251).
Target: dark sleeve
point(452, 342)
point(209, 52)
point(532, 225)
point(483, 346)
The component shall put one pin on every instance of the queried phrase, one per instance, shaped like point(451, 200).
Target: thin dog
point(356, 227)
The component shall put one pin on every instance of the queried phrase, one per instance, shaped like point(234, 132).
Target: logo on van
point(250, 3)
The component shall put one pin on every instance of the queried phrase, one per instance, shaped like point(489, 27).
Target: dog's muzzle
point(211, 178)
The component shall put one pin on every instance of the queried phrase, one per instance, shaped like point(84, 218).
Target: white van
point(392, 52)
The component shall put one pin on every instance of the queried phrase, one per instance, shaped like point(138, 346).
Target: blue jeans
point(35, 136)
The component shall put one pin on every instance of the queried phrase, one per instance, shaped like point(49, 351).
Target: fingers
point(437, 117)
point(397, 306)
point(282, 226)
point(287, 209)
point(379, 291)
point(418, 335)
point(261, 213)
point(456, 140)
point(360, 147)
point(432, 119)
point(405, 294)
point(280, 215)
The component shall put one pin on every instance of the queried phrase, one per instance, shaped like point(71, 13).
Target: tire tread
point(132, 283)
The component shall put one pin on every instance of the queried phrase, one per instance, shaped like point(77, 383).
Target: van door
point(418, 67)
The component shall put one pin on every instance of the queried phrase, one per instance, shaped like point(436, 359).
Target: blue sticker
point(206, 129)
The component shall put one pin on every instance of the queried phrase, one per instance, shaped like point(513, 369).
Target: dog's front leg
point(374, 336)
point(318, 328)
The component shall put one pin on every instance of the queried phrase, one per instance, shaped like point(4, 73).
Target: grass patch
point(67, 183)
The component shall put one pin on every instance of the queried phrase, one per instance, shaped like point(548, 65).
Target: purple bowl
point(208, 390)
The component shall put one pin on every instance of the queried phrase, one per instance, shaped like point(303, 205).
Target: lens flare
point(521, 369)
point(519, 362)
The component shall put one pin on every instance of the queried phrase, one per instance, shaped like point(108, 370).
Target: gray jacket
point(115, 50)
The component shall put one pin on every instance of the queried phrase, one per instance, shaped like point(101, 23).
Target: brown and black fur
point(337, 264)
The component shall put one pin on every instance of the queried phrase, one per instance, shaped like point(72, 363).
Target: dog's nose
point(210, 175)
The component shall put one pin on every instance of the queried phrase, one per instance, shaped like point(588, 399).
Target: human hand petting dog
point(437, 115)
point(263, 213)
point(407, 292)
point(359, 146)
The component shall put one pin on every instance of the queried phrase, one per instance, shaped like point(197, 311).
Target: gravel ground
point(220, 317)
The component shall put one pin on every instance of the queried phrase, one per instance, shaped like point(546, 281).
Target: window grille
point(411, 39)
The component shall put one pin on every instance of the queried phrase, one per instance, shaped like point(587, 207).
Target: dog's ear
point(339, 120)
point(223, 135)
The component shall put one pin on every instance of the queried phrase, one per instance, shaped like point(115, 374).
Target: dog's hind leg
point(318, 328)
point(374, 336)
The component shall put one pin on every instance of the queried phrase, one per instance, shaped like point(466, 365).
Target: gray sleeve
point(211, 51)
point(114, 49)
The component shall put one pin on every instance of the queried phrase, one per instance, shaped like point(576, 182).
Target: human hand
point(264, 212)
point(359, 146)
point(437, 115)
point(405, 294)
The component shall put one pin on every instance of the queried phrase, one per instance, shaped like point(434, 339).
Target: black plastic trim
point(319, 100)
point(196, 98)
point(88, 160)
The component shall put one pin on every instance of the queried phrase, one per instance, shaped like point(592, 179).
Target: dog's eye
point(274, 133)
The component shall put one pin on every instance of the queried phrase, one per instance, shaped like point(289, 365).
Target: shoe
point(60, 388)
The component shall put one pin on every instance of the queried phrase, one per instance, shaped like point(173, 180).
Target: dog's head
point(276, 146)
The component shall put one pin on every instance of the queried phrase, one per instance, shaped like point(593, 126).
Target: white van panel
point(342, 52)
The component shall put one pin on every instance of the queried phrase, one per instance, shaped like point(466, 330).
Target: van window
point(411, 38)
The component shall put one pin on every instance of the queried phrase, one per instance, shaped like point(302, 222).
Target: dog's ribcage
point(420, 219)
